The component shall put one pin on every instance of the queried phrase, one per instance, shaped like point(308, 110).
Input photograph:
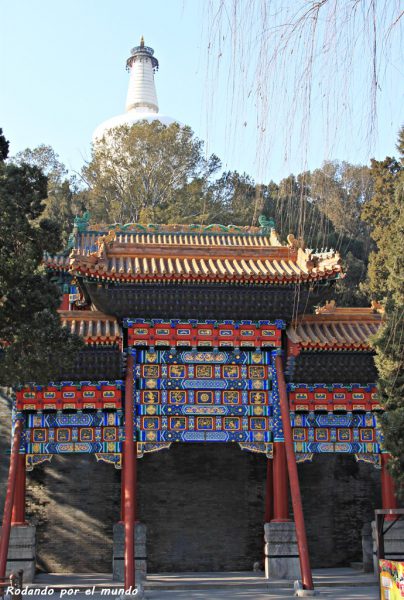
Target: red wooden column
point(389, 499)
point(18, 514)
point(8, 505)
point(65, 304)
point(281, 495)
point(123, 491)
point(129, 474)
point(269, 490)
point(307, 579)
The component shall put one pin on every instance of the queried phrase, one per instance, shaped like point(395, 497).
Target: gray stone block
point(281, 551)
point(21, 551)
point(367, 548)
point(140, 552)
point(302, 593)
point(138, 596)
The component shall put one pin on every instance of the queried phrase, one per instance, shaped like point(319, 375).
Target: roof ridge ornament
point(328, 308)
point(274, 238)
point(178, 228)
point(266, 224)
point(375, 310)
point(80, 224)
point(103, 243)
point(377, 307)
point(295, 243)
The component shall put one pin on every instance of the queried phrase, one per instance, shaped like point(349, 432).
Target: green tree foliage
point(4, 144)
point(33, 343)
point(65, 198)
point(236, 199)
point(193, 203)
point(339, 190)
point(46, 159)
point(323, 207)
point(140, 173)
point(384, 213)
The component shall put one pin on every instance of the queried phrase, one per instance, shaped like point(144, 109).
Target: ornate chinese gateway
point(206, 334)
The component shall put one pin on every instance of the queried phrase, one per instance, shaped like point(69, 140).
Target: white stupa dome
point(141, 100)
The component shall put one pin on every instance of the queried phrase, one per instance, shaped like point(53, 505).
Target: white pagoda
point(141, 99)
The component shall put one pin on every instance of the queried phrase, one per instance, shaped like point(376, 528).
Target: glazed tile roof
point(93, 326)
point(57, 262)
point(195, 257)
point(334, 328)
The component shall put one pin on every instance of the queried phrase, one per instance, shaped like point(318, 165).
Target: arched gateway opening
point(203, 505)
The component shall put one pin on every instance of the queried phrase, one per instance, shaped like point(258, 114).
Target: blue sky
point(62, 69)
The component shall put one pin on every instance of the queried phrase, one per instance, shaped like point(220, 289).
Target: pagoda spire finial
point(142, 42)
